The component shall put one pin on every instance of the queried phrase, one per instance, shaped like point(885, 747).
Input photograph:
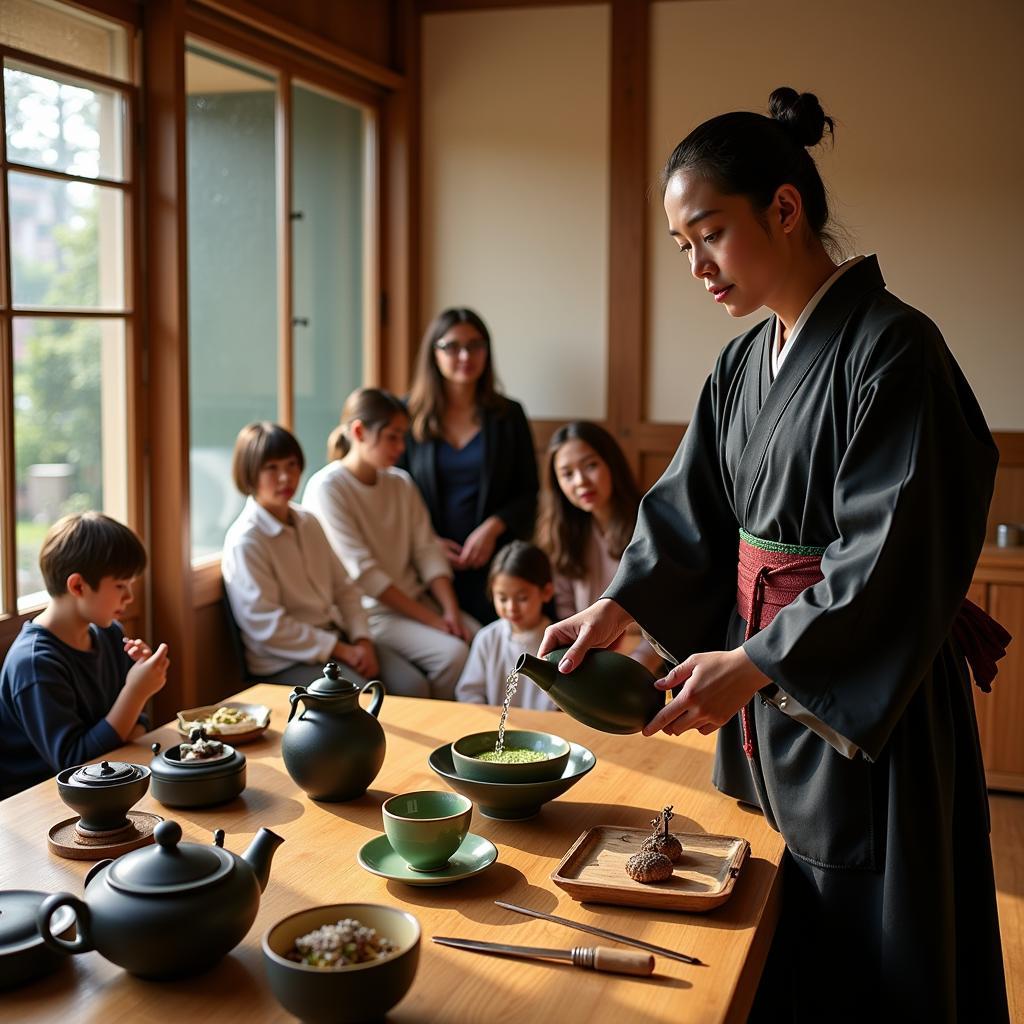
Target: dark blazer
point(508, 487)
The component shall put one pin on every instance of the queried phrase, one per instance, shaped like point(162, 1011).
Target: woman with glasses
point(470, 452)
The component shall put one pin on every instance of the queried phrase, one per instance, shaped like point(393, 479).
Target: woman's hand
point(453, 624)
point(716, 684)
point(600, 625)
point(478, 547)
point(361, 656)
point(452, 550)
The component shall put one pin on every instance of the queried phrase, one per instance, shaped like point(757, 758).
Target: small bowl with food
point(234, 721)
point(526, 756)
point(345, 963)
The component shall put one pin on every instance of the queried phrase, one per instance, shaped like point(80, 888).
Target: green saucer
point(476, 854)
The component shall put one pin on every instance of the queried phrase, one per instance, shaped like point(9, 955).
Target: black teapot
point(167, 910)
point(333, 749)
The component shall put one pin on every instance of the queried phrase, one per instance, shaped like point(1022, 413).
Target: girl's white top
point(289, 593)
point(492, 657)
point(381, 531)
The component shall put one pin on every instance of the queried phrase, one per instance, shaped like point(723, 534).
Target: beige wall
point(515, 193)
point(926, 171)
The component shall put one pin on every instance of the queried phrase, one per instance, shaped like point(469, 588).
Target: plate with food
point(236, 721)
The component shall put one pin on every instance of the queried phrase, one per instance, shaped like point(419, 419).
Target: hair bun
point(800, 114)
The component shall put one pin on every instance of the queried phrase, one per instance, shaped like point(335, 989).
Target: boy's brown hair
point(258, 444)
point(94, 546)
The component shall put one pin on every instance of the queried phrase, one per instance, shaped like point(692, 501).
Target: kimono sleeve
point(910, 503)
point(677, 577)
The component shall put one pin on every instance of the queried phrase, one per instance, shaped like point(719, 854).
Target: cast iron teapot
point(167, 910)
point(334, 749)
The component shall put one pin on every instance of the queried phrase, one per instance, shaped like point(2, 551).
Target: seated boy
point(72, 685)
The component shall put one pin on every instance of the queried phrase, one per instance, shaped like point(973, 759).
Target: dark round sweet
point(648, 866)
point(668, 845)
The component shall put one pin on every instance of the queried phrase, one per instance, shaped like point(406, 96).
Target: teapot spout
point(542, 672)
point(260, 854)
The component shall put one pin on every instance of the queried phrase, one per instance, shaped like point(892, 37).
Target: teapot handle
point(83, 940)
point(376, 687)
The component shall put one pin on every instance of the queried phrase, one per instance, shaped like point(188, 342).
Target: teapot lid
point(106, 773)
point(170, 866)
point(333, 683)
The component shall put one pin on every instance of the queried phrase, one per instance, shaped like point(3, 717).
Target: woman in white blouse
point(294, 603)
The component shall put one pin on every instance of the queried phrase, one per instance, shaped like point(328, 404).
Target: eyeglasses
point(455, 348)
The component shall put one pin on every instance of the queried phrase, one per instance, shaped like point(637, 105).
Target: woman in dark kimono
point(804, 561)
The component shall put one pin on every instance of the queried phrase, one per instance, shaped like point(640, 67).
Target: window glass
point(67, 243)
point(327, 262)
point(69, 429)
point(62, 124)
point(64, 34)
point(232, 277)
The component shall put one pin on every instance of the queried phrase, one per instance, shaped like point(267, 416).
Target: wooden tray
point(595, 870)
point(258, 711)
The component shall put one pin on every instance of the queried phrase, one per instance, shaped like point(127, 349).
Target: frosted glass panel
point(60, 32)
point(327, 271)
point(232, 278)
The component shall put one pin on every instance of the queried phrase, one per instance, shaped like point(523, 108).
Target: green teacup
point(427, 827)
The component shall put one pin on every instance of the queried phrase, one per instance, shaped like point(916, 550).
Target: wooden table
point(633, 779)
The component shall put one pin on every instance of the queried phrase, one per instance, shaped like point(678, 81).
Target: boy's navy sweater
point(53, 703)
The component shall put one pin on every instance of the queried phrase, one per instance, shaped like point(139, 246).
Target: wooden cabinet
point(999, 588)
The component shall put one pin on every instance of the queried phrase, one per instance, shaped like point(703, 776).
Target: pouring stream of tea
point(510, 690)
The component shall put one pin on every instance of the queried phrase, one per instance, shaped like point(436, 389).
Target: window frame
point(132, 445)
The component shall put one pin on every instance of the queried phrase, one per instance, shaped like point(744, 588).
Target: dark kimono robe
point(869, 443)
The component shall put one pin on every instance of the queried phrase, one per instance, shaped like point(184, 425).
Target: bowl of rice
point(347, 962)
point(526, 756)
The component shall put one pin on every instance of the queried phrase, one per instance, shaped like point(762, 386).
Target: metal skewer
point(593, 958)
point(602, 933)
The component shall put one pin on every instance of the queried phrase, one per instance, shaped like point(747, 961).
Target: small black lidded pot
point(210, 780)
point(103, 793)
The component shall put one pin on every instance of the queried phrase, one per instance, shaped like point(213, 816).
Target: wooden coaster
point(65, 839)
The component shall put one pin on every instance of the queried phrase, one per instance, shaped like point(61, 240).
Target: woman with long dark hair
point(470, 452)
point(588, 508)
point(805, 559)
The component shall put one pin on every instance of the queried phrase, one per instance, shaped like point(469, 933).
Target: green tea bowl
point(342, 995)
point(512, 801)
point(427, 827)
point(466, 751)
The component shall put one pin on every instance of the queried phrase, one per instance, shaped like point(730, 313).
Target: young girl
point(377, 523)
point(805, 558)
point(519, 584)
point(294, 604)
point(588, 511)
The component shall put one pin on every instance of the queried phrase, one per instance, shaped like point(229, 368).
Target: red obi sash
point(770, 575)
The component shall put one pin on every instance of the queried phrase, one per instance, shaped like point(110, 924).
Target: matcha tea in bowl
point(426, 828)
point(526, 756)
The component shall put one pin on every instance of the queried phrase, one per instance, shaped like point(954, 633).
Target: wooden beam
point(627, 252)
point(400, 210)
point(264, 21)
point(167, 379)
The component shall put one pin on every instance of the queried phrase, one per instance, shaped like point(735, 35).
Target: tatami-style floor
point(1008, 854)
